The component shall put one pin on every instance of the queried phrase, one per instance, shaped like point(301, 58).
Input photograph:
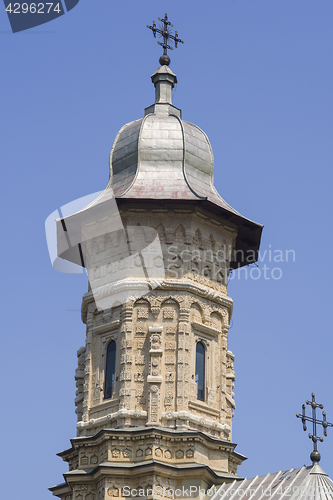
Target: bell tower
point(155, 378)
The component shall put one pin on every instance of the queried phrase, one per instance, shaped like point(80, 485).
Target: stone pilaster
point(155, 378)
point(126, 361)
point(183, 364)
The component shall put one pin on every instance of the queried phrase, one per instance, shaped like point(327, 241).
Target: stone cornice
point(108, 403)
point(212, 332)
point(186, 285)
point(148, 433)
point(107, 327)
point(95, 422)
point(196, 419)
point(203, 407)
point(172, 471)
point(149, 465)
point(61, 489)
point(230, 400)
point(168, 416)
point(198, 289)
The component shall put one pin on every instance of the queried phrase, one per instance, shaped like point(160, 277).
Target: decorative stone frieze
point(114, 461)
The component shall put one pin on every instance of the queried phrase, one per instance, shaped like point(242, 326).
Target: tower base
point(146, 463)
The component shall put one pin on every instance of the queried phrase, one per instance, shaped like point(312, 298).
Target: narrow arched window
point(200, 370)
point(110, 369)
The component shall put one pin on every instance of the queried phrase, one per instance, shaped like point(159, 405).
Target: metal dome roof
point(306, 483)
point(161, 156)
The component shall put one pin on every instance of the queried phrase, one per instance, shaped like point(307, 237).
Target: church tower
point(155, 378)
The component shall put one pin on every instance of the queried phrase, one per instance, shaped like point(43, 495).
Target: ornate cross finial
point(165, 33)
point(315, 455)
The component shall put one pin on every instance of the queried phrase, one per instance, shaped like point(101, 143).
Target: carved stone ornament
point(154, 389)
point(142, 313)
point(113, 492)
point(168, 313)
point(155, 305)
point(155, 341)
point(155, 311)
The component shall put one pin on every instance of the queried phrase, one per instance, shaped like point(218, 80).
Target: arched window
point(110, 369)
point(200, 370)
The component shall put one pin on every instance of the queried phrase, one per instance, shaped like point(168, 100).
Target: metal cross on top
point(165, 33)
point(315, 455)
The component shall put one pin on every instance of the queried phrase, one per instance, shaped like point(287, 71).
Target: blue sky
point(256, 76)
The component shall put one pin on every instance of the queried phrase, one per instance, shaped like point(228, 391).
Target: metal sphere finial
point(315, 456)
point(164, 60)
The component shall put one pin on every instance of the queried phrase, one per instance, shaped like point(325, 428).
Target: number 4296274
point(33, 8)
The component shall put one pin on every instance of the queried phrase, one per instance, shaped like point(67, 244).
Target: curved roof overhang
point(247, 240)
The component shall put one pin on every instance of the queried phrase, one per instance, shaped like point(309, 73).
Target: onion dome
point(162, 157)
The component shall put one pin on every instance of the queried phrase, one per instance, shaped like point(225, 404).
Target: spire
point(164, 79)
point(165, 33)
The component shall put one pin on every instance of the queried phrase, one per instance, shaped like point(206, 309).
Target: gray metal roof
point(306, 483)
point(162, 157)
